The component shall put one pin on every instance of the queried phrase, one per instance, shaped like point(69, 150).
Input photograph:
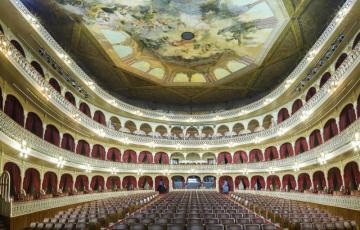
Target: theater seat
point(179, 221)
point(147, 221)
point(195, 221)
point(176, 227)
point(214, 227)
point(306, 226)
point(137, 226)
point(234, 227)
point(156, 227)
point(195, 227)
point(120, 226)
point(252, 227)
point(268, 227)
point(131, 221)
point(211, 221)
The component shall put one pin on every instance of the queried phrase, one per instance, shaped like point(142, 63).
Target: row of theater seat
point(193, 210)
point(293, 214)
point(95, 214)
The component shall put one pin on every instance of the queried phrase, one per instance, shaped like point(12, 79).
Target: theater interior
point(179, 114)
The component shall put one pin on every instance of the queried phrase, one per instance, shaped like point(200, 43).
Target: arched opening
point(52, 135)
point(330, 129)
point(301, 146)
point(324, 79)
point(97, 183)
point(129, 156)
point(176, 132)
point(38, 68)
point(315, 138)
point(273, 183)
point(319, 181)
point(55, 84)
point(14, 109)
point(288, 183)
point(115, 123)
point(49, 184)
point(34, 124)
point(68, 142)
point(193, 157)
point(162, 130)
point(311, 92)
point(98, 152)
point(222, 130)
point(238, 127)
point(161, 158)
point(240, 157)
point(99, 117)
point(18, 47)
point(178, 182)
point(145, 157)
point(209, 157)
point(176, 158)
point(283, 114)
point(162, 184)
point(334, 179)
point(114, 154)
point(85, 109)
point(31, 183)
point(1, 100)
point(130, 126)
point(129, 183)
point(207, 132)
point(224, 158)
point(15, 179)
point(70, 98)
point(304, 182)
point(271, 153)
point(296, 106)
point(192, 132)
point(209, 182)
point(255, 155)
point(242, 183)
point(66, 183)
point(83, 148)
point(257, 183)
point(146, 183)
point(357, 107)
point(82, 183)
point(286, 150)
point(1, 29)
point(351, 176)
point(347, 116)
point(146, 128)
point(268, 122)
point(113, 183)
point(356, 41)
point(226, 184)
point(253, 125)
point(340, 60)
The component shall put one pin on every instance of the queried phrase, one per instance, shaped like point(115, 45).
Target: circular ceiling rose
point(187, 35)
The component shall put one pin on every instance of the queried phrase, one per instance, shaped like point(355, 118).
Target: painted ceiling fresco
point(183, 41)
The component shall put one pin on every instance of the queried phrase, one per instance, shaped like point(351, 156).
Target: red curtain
point(129, 156)
point(97, 183)
point(68, 142)
point(304, 182)
point(38, 68)
point(273, 183)
point(255, 156)
point(49, 183)
point(1, 100)
point(319, 181)
point(143, 179)
point(358, 107)
point(128, 182)
point(301, 146)
point(347, 116)
point(161, 158)
point(83, 148)
point(98, 152)
point(330, 129)
point(85, 109)
point(283, 115)
point(351, 176)
point(66, 183)
point(14, 109)
point(112, 182)
point(244, 180)
point(334, 179)
point(34, 124)
point(224, 158)
point(324, 79)
point(31, 182)
point(230, 182)
point(290, 181)
point(340, 60)
point(82, 183)
point(145, 157)
point(296, 106)
point(114, 154)
point(315, 138)
point(310, 94)
point(55, 84)
point(99, 117)
point(15, 178)
point(258, 180)
point(164, 179)
point(52, 135)
point(271, 153)
point(70, 98)
point(240, 157)
point(286, 150)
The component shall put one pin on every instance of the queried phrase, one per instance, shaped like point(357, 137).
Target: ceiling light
point(88, 168)
point(60, 162)
point(24, 150)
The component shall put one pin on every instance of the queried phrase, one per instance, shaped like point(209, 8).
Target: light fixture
point(4, 46)
point(231, 144)
point(333, 85)
point(305, 115)
point(245, 171)
point(24, 150)
point(217, 117)
point(178, 146)
point(152, 144)
point(356, 142)
point(268, 101)
point(219, 172)
point(282, 131)
point(113, 171)
point(271, 171)
point(205, 147)
point(166, 172)
point(91, 85)
point(322, 159)
point(243, 112)
point(257, 140)
point(100, 133)
point(88, 168)
point(112, 102)
point(60, 162)
point(296, 167)
point(46, 92)
point(288, 83)
point(77, 117)
point(138, 113)
point(140, 172)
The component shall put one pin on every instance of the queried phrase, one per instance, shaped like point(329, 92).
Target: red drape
point(255, 155)
point(143, 179)
point(244, 180)
point(99, 117)
point(304, 182)
point(145, 157)
point(85, 109)
point(319, 180)
point(351, 176)
point(358, 107)
point(271, 153)
point(15, 178)
point(258, 179)
point(66, 183)
point(127, 181)
point(38, 68)
point(324, 79)
point(273, 183)
point(224, 158)
point(286, 150)
point(296, 106)
point(14, 109)
point(49, 183)
point(129, 156)
point(55, 84)
point(330, 129)
point(98, 152)
point(347, 116)
point(68, 142)
point(283, 115)
point(301, 146)
point(112, 182)
point(97, 183)
point(340, 60)
point(70, 98)
point(52, 135)
point(230, 182)
point(290, 181)
point(310, 94)
point(1, 100)
point(82, 183)
point(34, 124)
point(83, 148)
point(334, 179)
point(315, 138)
point(164, 179)
point(114, 154)
point(31, 182)
point(161, 158)
point(240, 157)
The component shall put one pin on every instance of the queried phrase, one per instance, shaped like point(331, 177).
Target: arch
point(114, 123)
point(301, 145)
point(286, 150)
point(209, 157)
point(319, 181)
point(97, 183)
point(347, 116)
point(38, 68)
point(207, 131)
point(49, 184)
point(98, 152)
point(209, 182)
point(176, 158)
point(31, 183)
point(357, 107)
point(15, 179)
point(161, 129)
point(18, 47)
point(334, 179)
point(324, 79)
point(222, 129)
point(311, 92)
point(273, 183)
point(288, 182)
point(129, 183)
point(271, 153)
point(99, 117)
point(340, 60)
point(229, 179)
point(129, 156)
point(1, 100)
point(257, 182)
point(193, 157)
point(224, 158)
point(52, 135)
point(146, 128)
point(296, 106)
point(161, 158)
point(1, 29)
point(85, 109)
point(178, 182)
point(315, 139)
point(351, 176)
point(55, 84)
point(240, 157)
point(253, 124)
point(68, 142)
point(176, 131)
point(34, 124)
point(356, 41)
point(304, 182)
point(244, 180)
point(164, 181)
point(82, 183)
point(283, 114)
point(14, 109)
point(83, 148)
point(145, 157)
point(145, 182)
point(113, 183)
point(192, 132)
point(330, 129)
point(130, 125)
point(268, 121)
point(113, 154)
point(70, 98)
point(66, 183)
point(238, 127)
point(255, 155)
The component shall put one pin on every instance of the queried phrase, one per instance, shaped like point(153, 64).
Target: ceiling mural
point(183, 41)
